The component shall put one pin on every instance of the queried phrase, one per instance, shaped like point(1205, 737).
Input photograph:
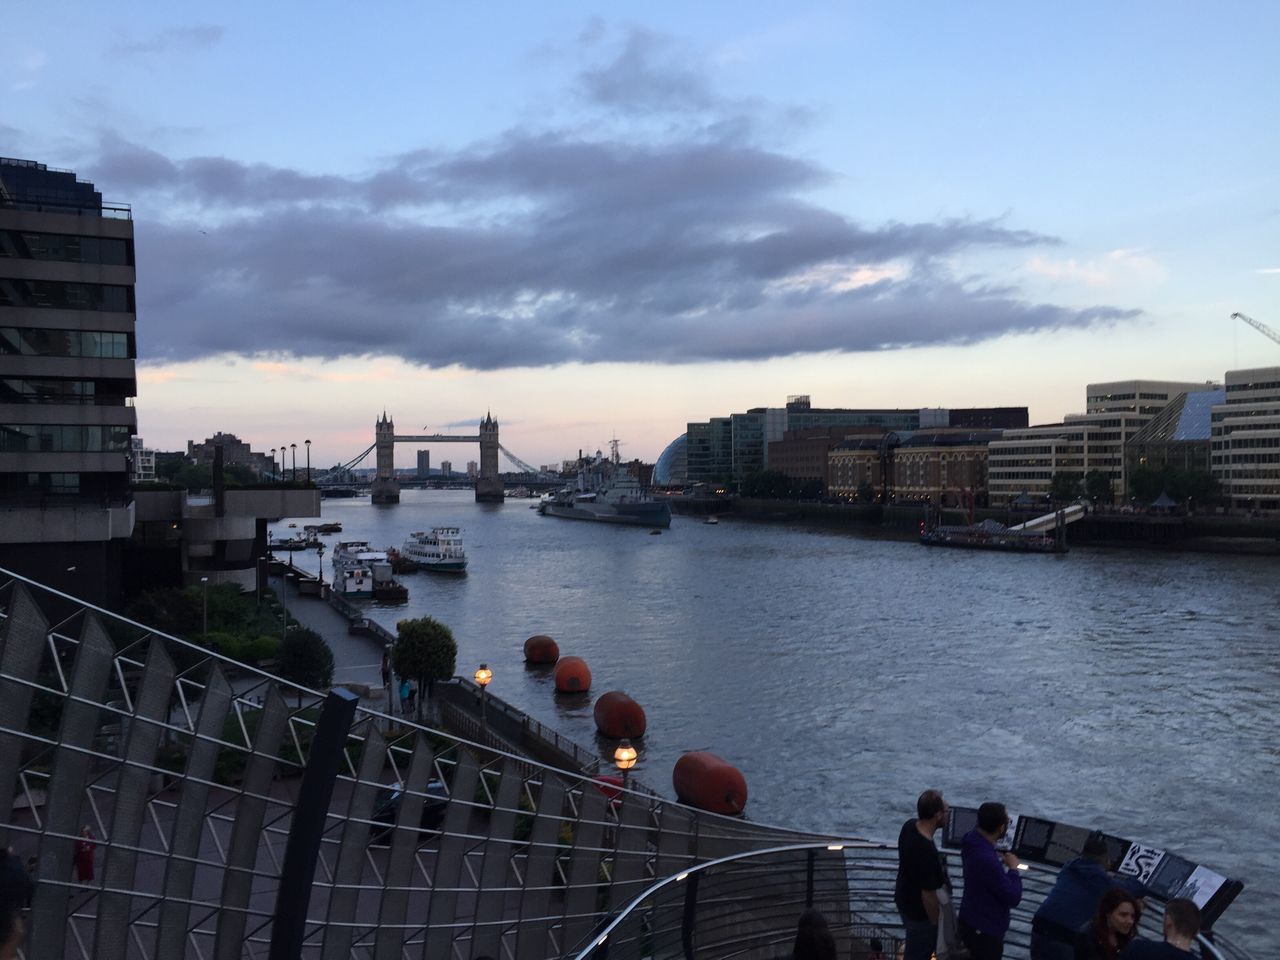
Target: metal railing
point(215, 831)
point(747, 905)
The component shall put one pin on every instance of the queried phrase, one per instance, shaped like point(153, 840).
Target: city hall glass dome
point(671, 469)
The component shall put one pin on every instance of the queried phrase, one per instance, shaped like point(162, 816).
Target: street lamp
point(293, 453)
point(320, 561)
point(308, 443)
point(483, 677)
point(204, 604)
point(624, 758)
point(273, 463)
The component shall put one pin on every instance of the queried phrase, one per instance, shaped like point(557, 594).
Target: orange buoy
point(618, 716)
point(541, 649)
point(572, 675)
point(703, 780)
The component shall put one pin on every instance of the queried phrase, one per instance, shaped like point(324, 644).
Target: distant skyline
point(593, 223)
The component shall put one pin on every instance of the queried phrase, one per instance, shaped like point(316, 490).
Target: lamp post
point(273, 463)
point(320, 561)
point(624, 758)
point(204, 604)
point(308, 445)
point(293, 456)
point(483, 677)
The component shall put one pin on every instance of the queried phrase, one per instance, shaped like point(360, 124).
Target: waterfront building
point(709, 454)
point(1245, 439)
point(424, 465)
point(67, 379)
point(671, 468)
point(142, 466)
point(804, 454)
point(1025, 460)
point(1178, 436)
point(446, 469)
point(864, 459)
point(945, 467)
point(473, 469)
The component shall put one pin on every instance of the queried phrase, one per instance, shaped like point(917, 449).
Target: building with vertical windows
point(1245, 440)
point(424, 465)
point(67, 380)
point(1025, 460)
point(143, 462)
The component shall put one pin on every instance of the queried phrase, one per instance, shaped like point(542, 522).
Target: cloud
point(540, 247)
point(1111, 269)
point(1268, 270)
point(186, 39)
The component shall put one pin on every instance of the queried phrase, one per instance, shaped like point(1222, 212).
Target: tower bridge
point(386, 488)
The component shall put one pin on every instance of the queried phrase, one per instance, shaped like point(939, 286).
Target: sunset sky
point(612, 219)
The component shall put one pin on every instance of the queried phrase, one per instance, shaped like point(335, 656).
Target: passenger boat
point(361, 571)
point(439, 551)
point(991, 535)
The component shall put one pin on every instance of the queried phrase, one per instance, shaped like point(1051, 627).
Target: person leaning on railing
point(1073, 900)
point(992, 887)
point(920, 876)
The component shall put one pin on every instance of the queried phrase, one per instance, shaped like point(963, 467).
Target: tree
point(1097, 487)
point(1064, 486)
point(424, 651)
point(305, 659)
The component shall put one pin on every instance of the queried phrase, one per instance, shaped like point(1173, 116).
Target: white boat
point(358, 568)
point(439, 551)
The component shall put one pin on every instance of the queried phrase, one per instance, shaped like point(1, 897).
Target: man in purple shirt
point(992, 886)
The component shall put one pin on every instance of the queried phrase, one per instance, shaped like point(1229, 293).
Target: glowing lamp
point(484, 675)
point(625, 755)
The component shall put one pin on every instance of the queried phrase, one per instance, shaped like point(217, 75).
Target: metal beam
point(437, 438)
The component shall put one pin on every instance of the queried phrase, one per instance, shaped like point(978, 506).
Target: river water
point(843, 673)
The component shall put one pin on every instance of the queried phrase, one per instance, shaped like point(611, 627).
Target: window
point(64, 295)
point(37, 342)
point(63, 438)
point(26, 245)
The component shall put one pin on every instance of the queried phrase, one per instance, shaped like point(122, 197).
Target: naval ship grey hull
point(646, 513)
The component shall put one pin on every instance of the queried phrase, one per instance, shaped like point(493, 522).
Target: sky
point(609, 220)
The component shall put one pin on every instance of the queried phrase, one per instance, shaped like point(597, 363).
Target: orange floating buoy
point(572, 675)
point(703, 780)
point(618, 716)
point(541, 649)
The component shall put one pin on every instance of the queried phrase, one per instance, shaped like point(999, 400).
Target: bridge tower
point(385, 488)
point(488, 483)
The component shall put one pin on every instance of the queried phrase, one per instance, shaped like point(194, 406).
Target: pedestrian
point(84, 855)
point(813, 938)
point(404, 696)
point(1073, 901)
point(1113, 927)
point(920, 876)
point(386, 668)
point(1181, 927)
point(992, 886)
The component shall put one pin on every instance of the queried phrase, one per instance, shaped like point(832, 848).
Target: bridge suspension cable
point(525, 467)
point(335, 472)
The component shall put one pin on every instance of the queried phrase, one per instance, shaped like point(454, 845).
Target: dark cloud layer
point(543, 246)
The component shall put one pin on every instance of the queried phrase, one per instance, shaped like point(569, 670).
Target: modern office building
point(1245, 440)
point(1178, 436)
point(709, 455)
point(1024, 461)
point(446, 469)
point(67, 379)
point(424, 465)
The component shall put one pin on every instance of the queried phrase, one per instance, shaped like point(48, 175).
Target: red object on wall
point(618, 716)
point(703, 780)
point(572, 675)
point(541, 649)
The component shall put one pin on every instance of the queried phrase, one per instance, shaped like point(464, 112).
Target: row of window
point(63, 438)
point(1236, 387)
point(65, 295)
point(25, 245)
point(54, 484)
point(40, 342)
point(17, 390)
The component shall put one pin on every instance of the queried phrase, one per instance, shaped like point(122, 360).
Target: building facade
point(67, 379)
point(945, 467)
point(142, 467)
point(1245, 440)
point(424, 465)
point(235, 453)
point(1178, 436)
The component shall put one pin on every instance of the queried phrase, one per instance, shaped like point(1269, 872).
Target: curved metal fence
point(226, 813)
point(746, 906)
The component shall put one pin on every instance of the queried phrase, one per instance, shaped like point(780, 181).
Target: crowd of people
point(1090, 914)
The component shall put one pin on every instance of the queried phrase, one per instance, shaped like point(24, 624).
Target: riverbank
point(1195, 534)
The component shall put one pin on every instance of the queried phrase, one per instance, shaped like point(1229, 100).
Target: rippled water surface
point(844, 673)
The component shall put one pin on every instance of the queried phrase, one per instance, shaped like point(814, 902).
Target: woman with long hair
point(1114, 925)
point(813, 938)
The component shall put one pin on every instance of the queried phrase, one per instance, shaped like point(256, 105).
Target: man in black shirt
point(920, 875)
point(1181, 926)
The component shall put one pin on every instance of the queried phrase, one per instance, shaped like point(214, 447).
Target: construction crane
point(1258, 325)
